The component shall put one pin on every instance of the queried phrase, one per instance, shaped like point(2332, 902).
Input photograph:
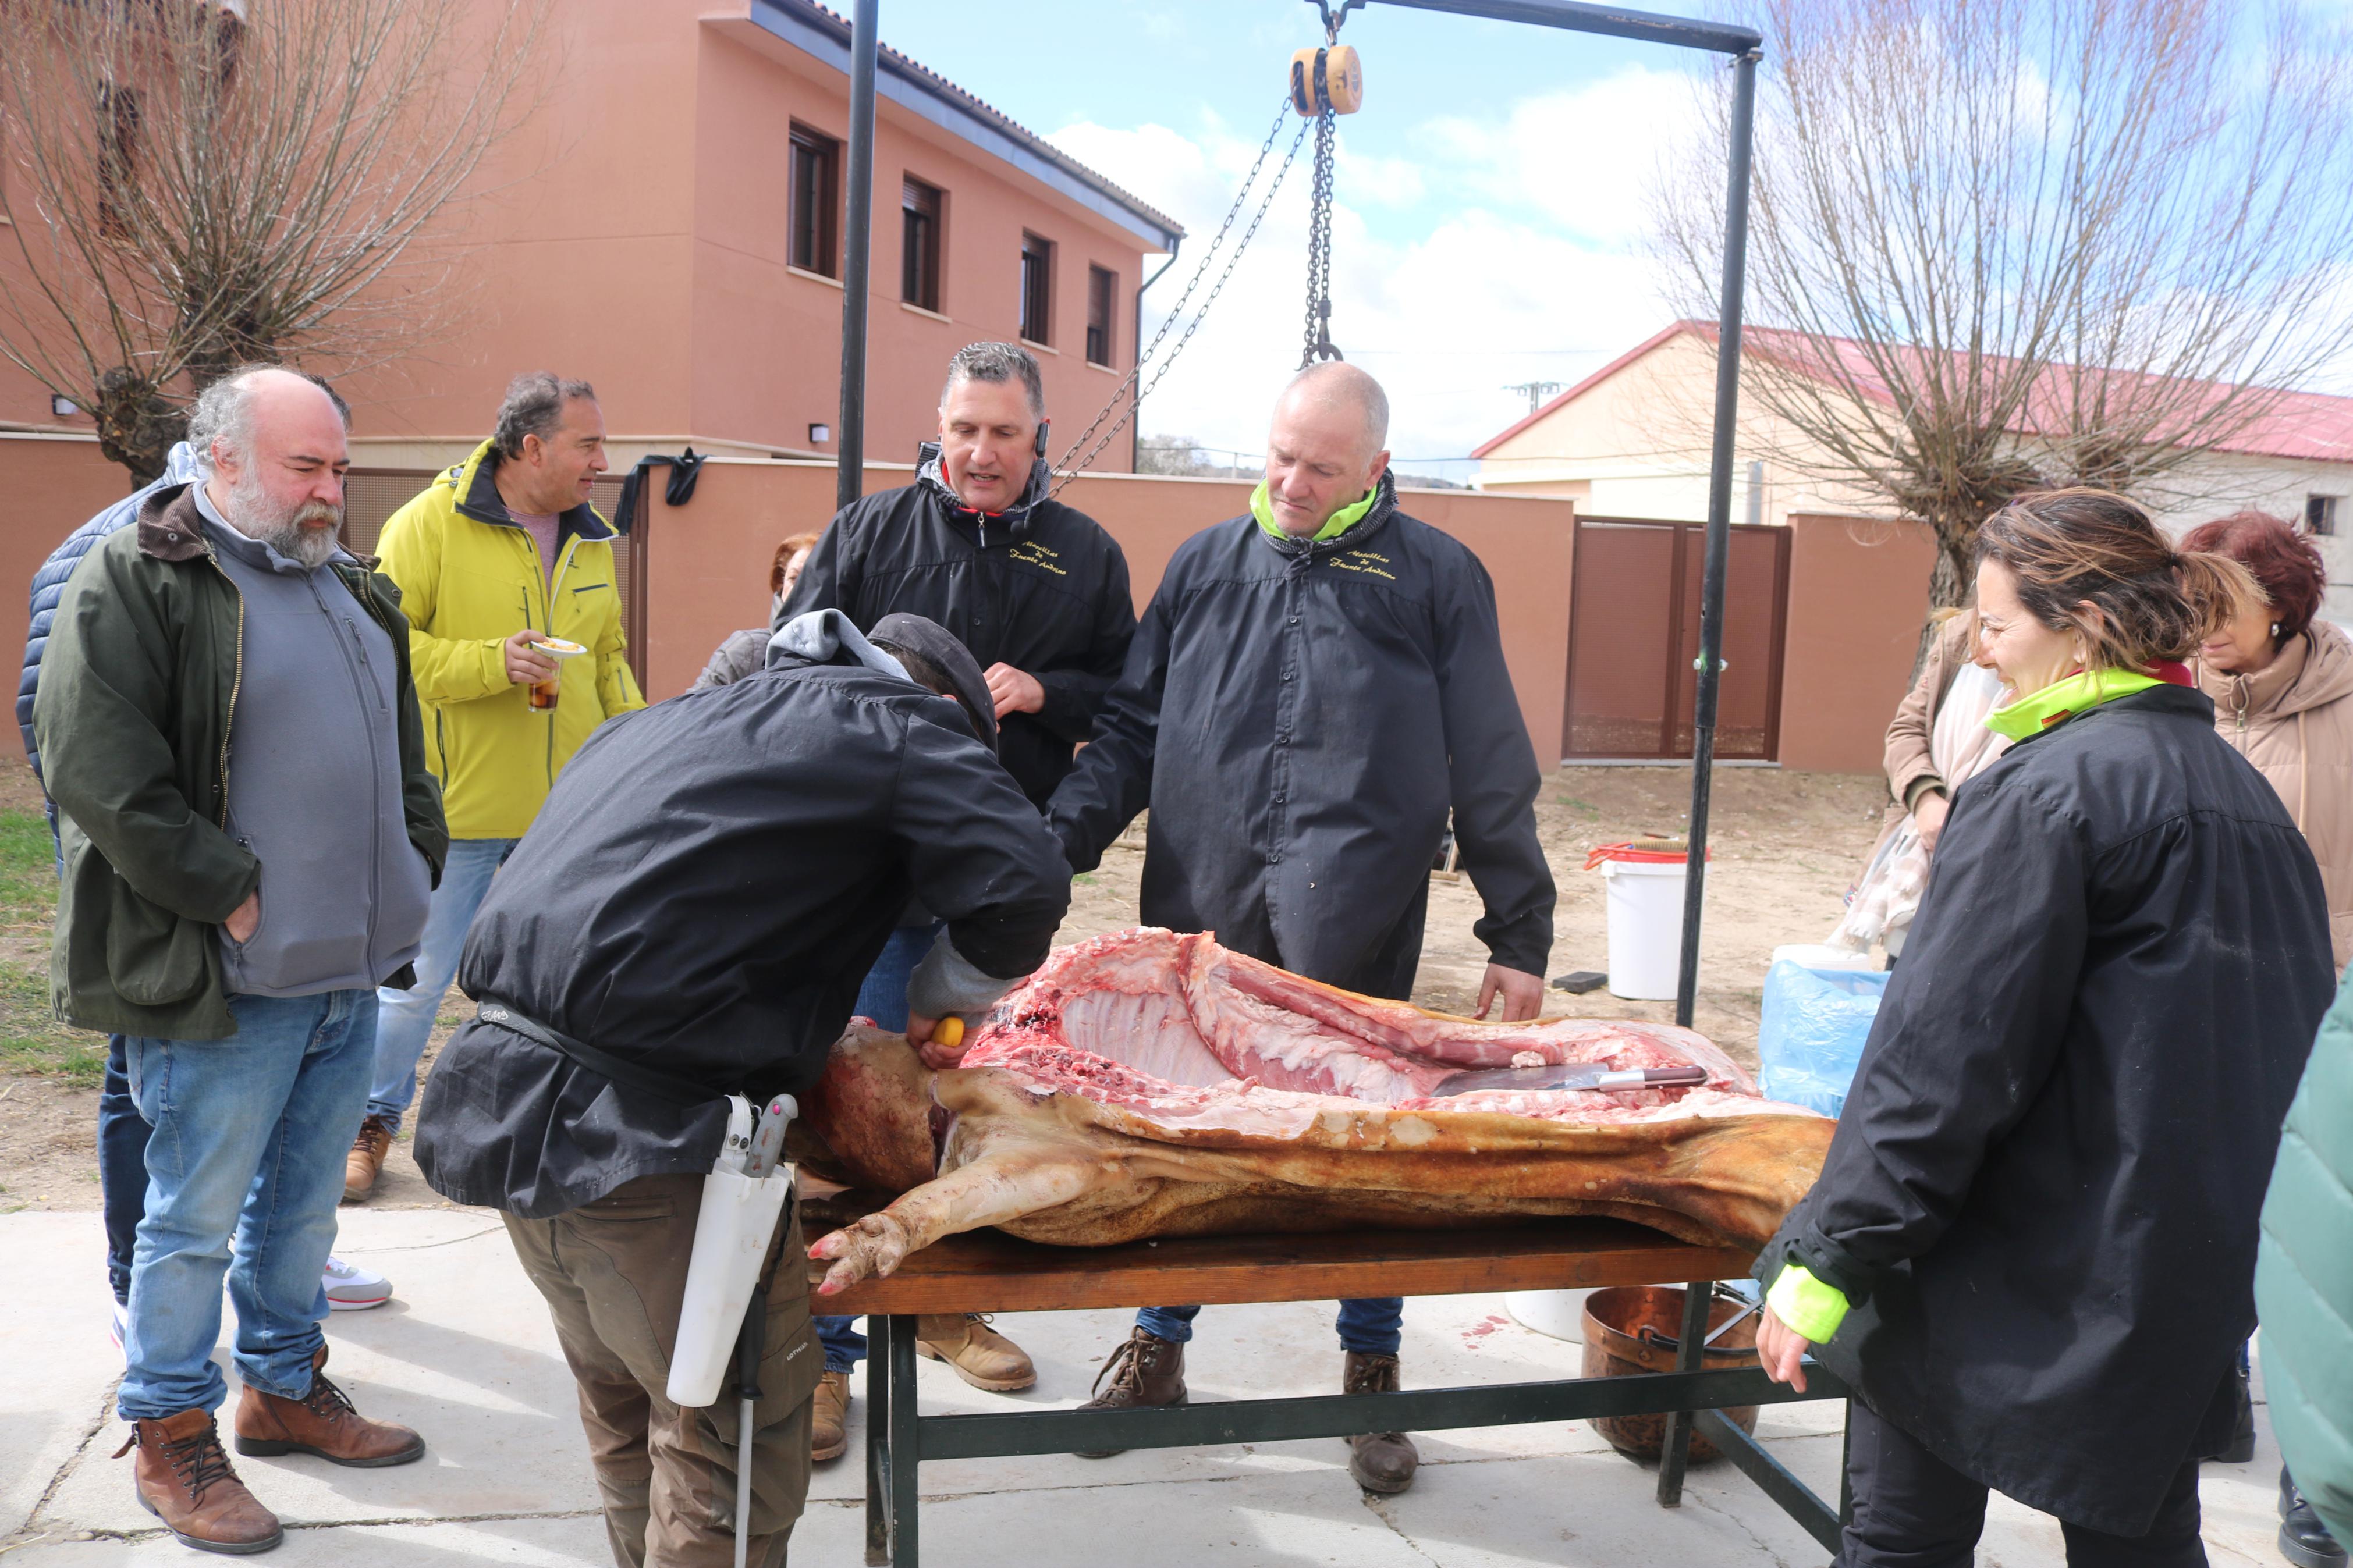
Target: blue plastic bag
point(1815, 1023)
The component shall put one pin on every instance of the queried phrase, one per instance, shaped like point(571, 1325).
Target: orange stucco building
point(666, 224)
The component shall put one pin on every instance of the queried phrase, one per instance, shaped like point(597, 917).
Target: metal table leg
point(878, 1446)
point(906, 1443)
point(1688, 1350)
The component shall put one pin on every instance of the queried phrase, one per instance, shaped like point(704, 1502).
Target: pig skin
point(1148, 1084)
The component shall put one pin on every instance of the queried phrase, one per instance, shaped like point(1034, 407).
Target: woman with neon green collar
point(2032, 1247)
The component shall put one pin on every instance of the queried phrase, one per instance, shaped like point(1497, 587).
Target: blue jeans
point(882, 996)
point(405, 1018)
point(121, 1167)
point(1371, 1327)
point(251, 1135)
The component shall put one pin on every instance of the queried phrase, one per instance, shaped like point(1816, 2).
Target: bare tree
point(198, 184)
point(1184, 456)
point(2001, 243)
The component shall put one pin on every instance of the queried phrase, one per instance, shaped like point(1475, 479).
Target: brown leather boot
point(1145, 1372)
point(975, 1352)
point(1381, 1461)
point(829, 1417)
point(183, 1477)
point(365, 1164)
point(322, 1423)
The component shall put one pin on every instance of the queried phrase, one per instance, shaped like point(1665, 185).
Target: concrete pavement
point(465, 1356)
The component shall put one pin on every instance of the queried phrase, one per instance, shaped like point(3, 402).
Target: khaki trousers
point(614, 1272)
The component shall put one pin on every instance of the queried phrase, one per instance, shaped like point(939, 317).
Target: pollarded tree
point(2014, 243)
point(196, 184)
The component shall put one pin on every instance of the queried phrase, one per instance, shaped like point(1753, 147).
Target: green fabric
point(1813, 1310)
point(1920, 786)
point(138, 685)
point(2303, 1277)
point(2032, 714)
point(1341, 522)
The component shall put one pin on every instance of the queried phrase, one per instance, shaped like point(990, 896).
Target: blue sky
point(1492, 192)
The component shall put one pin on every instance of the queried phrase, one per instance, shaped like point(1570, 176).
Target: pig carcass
point(1148, 1084)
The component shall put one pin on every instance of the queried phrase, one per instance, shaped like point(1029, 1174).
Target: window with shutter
point(1102, 295)
point(919, 262)
point(815, 198)
point(1036, 288)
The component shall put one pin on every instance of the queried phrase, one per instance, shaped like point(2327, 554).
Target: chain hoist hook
point(1332, 20)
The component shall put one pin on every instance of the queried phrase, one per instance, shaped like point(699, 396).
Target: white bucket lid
point(1644, 867)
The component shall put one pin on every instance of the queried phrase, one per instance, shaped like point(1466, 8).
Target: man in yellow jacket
point(501, 555)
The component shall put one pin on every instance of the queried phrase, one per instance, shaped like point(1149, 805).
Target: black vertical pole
point(1719, 525)
point(857, 249)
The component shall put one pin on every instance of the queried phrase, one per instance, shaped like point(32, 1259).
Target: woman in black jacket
point(2032, 1248)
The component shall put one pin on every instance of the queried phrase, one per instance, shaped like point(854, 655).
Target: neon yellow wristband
point(1813, 1309)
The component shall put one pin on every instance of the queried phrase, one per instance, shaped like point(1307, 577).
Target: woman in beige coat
point(1936, 742)
point(2280, 681)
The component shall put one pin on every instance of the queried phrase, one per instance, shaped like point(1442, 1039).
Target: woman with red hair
point(2279, 679)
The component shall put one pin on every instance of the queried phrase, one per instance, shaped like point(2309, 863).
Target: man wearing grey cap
point(692, 914)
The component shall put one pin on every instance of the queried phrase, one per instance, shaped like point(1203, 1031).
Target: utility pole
point(849, 474)
point(1535, 391)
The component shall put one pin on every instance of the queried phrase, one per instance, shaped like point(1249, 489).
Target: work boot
point(829, 1417)
point(975, 1352)
point(365, 1164)
point(2302, 1538)
point(1381, 1461)
point(322, 1424)
point(183, 1477)
point(1146, 1371)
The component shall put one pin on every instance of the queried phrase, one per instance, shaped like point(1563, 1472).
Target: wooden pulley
point(1334, 76)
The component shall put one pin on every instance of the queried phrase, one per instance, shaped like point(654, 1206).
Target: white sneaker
point(352, 1288)
point(118, 1322)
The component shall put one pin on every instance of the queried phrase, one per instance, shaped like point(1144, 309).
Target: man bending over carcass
point(1334, 670)
point(695, 906)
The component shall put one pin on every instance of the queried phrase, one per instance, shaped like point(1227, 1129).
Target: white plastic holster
point(733, 1236)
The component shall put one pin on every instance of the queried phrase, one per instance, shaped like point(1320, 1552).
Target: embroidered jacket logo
point(1030, 553)
point(1362, 560)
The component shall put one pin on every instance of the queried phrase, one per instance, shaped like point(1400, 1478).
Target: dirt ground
point(1786, 844)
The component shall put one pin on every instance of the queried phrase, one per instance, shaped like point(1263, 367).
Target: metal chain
point(1316, 343)
point(1070, 470)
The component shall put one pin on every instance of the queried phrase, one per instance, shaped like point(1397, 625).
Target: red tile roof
point(942, 87)
point(2309, 426)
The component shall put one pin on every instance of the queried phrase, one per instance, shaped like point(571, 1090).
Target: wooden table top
point(988, 1271)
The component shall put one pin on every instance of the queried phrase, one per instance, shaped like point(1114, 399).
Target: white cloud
point(1583, 158)
point(1508, 239)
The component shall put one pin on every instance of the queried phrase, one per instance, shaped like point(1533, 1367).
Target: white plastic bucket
point(732, 1233)
point(1557, 1314)
point(1646, 926)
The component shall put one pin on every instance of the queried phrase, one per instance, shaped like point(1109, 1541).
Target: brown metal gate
point(1633, 638)
point(372, 495)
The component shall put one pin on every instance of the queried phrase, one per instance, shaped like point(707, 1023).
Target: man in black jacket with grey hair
point(1039, 593)
point(710, 879)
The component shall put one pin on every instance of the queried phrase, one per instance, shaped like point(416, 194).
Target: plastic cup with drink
point(544, 692)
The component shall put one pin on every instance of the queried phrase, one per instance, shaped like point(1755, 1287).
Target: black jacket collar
point(1376, 518)
point(930, 478)
point(2162, 697)
point(483, 503)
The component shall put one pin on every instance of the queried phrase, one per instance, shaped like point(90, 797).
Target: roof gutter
point(818, 32)
point(1136, 409)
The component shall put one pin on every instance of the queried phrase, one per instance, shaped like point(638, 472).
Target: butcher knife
point(1569, 1075)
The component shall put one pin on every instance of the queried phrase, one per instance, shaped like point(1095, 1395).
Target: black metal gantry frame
point(1312, 1417)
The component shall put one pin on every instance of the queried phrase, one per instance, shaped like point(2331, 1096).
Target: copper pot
point(1631, 1328)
